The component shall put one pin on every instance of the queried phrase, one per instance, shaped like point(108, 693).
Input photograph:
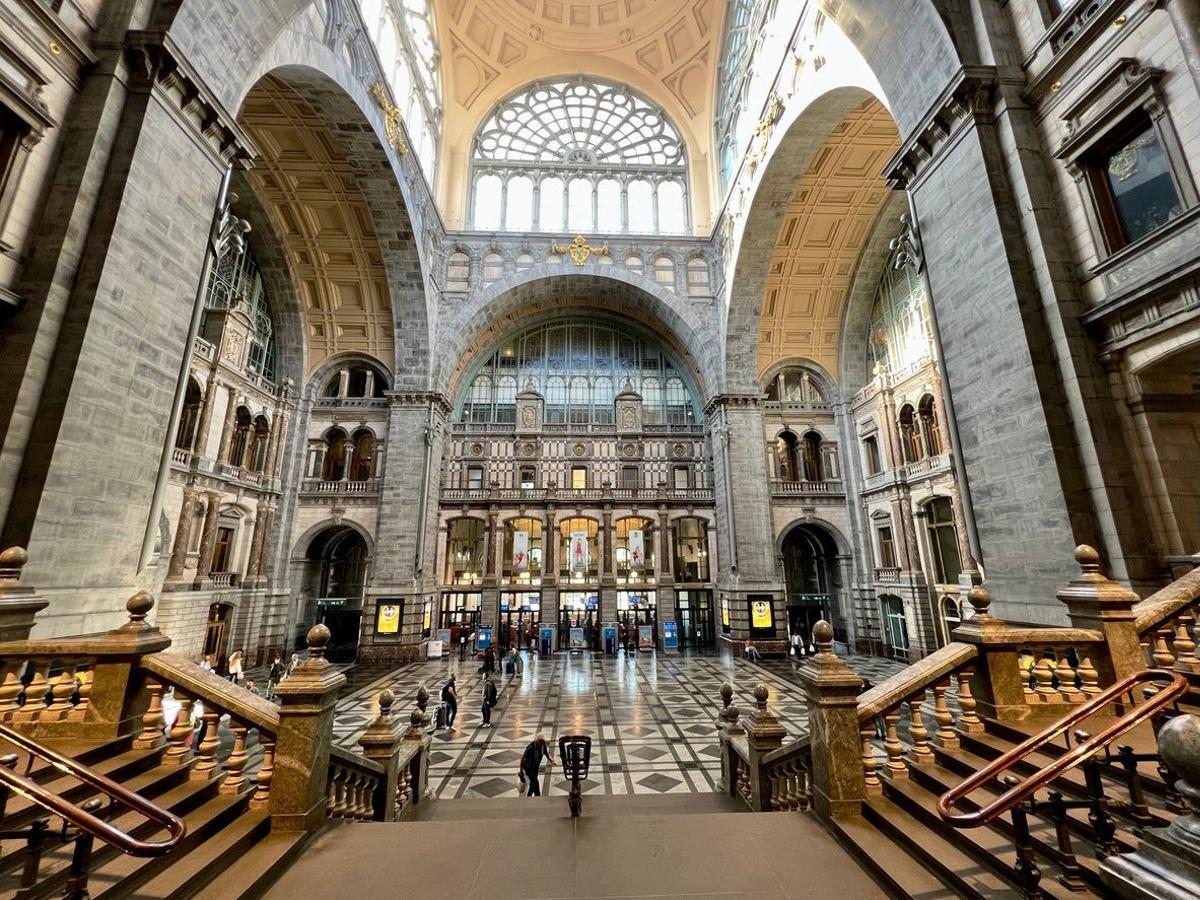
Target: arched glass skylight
point(406, 39)
point(573, 152)
point(745, 21)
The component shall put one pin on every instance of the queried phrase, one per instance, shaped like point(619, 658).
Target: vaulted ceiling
point(665, 49)
point(824, 231)
point(319, 213)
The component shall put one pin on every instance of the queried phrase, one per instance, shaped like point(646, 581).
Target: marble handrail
point(1163, 605)
point(214, 691)
point(916, 677)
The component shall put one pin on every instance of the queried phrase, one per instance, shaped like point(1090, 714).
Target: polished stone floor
point(651, 717)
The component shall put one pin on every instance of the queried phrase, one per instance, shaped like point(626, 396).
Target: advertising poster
point(520, 557)
point(578, 641)
point(670, 636)
point(725, 613)
point(484, 640)
point(645, 637)
point(761, 614)
point(443, 636)
point(427, 617)
point(637, 551)
point(387, 617)
point(579, 552)
point(610, 640)
point(546, 640)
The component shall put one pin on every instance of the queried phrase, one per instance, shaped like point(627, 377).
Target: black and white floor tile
point(651, 717)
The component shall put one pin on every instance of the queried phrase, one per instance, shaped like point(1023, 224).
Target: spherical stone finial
point(980, 600)
point(823, 636)
point(386, 699)
point(726, 694)
point(12, 561)
point(422, 696)
point(139, 605)
point(1179, 744)
point(760, 695)
point(318, 639)
point(1088, 559)
point(416, 719)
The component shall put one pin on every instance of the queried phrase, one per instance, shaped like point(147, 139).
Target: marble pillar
point(183, 533)
point(208, 536)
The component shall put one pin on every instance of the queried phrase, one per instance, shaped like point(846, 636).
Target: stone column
point(891, 428)
point(254, 563)
point(909, 557)
point(832, 688)
point(370, 384)
point(305, 736)
point(18, 604)
point(549, 546)
point(208, 536)
point(970, 565)
point(1185, 16)
point(200, 441)
point(264, 557)
point(606, 569)
point(227, 428)
point(183, 532)
point(489, 606)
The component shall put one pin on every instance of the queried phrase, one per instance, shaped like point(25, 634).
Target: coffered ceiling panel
point(315, 204)
point(816, 253)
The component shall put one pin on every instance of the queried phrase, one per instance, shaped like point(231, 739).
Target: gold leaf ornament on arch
point(393, 121)
point(579, 250)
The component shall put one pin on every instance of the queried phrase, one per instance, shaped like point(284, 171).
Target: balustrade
point(783, 487)
point(340, 488)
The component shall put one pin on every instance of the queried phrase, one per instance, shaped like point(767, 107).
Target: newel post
point(18, 604)
point(304, 739)
point(998, 684)
point(727, 726)
point(837, 768)
point(1094, 601)
point(381, 743)
point(763, 734)
point(418, 731)
point(118, 698)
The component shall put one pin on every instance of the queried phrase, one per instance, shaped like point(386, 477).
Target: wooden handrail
point(81, 818)
point(1176, 685)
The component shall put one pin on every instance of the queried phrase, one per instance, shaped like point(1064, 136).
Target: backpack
point(491, 694)
point(446, 698)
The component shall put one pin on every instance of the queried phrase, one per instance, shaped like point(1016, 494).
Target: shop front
point(636, 608)
point(694, 612)
point(520, 615)
point(579, 610)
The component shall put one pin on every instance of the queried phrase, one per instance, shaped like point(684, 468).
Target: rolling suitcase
point(443, 714)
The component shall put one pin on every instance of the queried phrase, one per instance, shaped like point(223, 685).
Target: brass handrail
point(1176, 685)
point(81, 818)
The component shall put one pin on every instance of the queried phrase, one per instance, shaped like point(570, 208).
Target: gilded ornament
point(393, 122)
point(579, 250)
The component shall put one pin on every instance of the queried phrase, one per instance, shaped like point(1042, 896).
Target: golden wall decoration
point(579, 250)
point(393, 122)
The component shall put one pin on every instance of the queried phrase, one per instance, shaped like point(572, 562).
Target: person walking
point(489, 661)
point(531, 763)
point(490, 696)
point(236, 666)
point(450, 698)
point(274, 676)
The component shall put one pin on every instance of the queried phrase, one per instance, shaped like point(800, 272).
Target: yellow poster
point(760, 614)
point(388, 619)
point(725, 611)
point(427, 621)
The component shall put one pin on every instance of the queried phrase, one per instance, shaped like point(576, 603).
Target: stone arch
point(827, 382)
point(844, 547)
point(305, 541)
point(547, 288)
point(322, 373)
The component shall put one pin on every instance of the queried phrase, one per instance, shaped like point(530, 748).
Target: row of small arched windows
point(341, 456)
point(662, 270)
point(805, 458)
point(920, 436)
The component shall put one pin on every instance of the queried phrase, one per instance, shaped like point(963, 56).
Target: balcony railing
point(689, 430)
point(796, 406)
point(224, 579)
point(453, 495)
point(352, 403)
point(203, 349)
point(340, 488)
point(887, 574)
point(930, 465)
point(783, 487)
point(181, 457)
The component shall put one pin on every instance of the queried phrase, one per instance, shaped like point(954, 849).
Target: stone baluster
point(874, 787)
point(1043, 681)
point(236, 764)
point(832, 689)
point(10, 689)
point(945, 736)
point(920, 753)
point(968, 719)
point(35, 693)
point(1162, 656)
point(178, 752)
point(895, 765)
point(207, 765)
point(61, 691)
point(1185, 645)
point(1064, 674)
point(1089, 678)
point(86, 680)
point(262, 779)
point(304, 738)
point(151, 735)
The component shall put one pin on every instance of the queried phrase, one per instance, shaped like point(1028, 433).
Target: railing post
point(1094, 601)
point(832, 687)
point(381, 743)
point(304, 739)
point(763, 734)
point(18, 605)
point(1167, 860)
point(999, 684)
point(727, 725)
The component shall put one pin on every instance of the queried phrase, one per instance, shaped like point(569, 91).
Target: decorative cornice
point(745, 400)
point(968, 99)
point(158, 63)
point(421, 399)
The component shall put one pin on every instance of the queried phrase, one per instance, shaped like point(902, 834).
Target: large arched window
point(579, 365)
point(465, 551)
point(898, 335)
point(691, 550)
point(633, 549)
point(599, 158)
point(235, 283)
point(405, 37)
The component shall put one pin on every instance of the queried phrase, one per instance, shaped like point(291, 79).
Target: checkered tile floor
point(651, 718)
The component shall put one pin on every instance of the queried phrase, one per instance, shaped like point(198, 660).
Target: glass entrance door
point(897, 626)
point(520, 613)
point(696, 629)
point(636, 608)
point(578, 609)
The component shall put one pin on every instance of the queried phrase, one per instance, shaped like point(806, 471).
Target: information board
point(546, 640)
point(670, 636)
point(645, 637)
point(433, 650)
point(610, 640)
point(387, 617)
point(577, 639)
point(484, 639)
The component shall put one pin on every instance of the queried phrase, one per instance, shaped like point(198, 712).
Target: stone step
point(900, 872)
point(508, 808)
point(255, 870)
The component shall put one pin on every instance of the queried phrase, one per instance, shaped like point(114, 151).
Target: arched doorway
point(810, 567)
point(338, 559)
